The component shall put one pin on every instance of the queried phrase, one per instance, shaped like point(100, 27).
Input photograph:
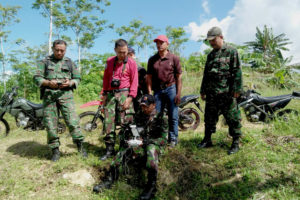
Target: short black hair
point(121, 43)
point(56, 42)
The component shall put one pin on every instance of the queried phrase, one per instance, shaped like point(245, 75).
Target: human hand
point(177, 99)
point(127, 103)
point(65, 84)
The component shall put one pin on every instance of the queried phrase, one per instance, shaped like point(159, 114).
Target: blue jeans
point(166, 98)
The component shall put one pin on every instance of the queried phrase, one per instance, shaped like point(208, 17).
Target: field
point(266, 167)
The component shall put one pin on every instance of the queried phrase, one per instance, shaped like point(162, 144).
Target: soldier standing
point(120, 82)
point(221, 85)
point(57, 76)
point(154, 140)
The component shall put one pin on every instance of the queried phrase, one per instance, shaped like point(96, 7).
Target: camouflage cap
point(213, 32)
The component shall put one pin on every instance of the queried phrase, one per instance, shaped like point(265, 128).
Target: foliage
point(270, 46)
point(92, 76)
point(195, 62)
point(7, 18)
point(176, 39)
point(137, 34)
point(83, 18)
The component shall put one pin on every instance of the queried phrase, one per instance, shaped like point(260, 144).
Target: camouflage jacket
point(56, 69)
point(222, 73)
point(156, 127)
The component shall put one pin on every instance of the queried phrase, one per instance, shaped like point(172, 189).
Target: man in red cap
point(164, 78)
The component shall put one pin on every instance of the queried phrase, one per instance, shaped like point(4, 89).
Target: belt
point(163, 86)
point(118, 90)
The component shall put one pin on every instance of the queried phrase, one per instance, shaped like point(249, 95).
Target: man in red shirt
point(120, 82)
point(164, 78)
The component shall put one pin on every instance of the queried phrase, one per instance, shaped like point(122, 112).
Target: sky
point(237, 18)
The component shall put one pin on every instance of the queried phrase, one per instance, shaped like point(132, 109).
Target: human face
point(131, 55)
point(161, 46)
point(121, 53)
point(59, 51)
point(148, 109)
point(217, 42)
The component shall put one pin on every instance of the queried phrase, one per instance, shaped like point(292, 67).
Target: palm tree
point(268, 44)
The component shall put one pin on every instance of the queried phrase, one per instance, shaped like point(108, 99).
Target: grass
point(266, 167)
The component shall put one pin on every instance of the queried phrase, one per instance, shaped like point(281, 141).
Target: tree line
point(85, 19)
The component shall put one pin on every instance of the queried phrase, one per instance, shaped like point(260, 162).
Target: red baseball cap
point(162, 38)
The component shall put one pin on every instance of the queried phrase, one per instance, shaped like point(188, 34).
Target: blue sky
point(237, 18)
point(157, 13)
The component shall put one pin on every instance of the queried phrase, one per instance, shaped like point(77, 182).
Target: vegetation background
point(267, 167)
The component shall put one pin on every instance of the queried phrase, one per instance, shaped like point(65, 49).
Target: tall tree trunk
point(50, 29)
point(78, 46)
point(3, 63)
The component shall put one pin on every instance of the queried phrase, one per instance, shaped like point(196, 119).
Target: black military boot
point(81, 149)
point(110, 151)
point(206, 142)
point(109, 179)
point(55, 154)
point(150, 188)
point(234, 146)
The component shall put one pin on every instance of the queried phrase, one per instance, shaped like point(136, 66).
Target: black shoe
point(150, 189)
point(55, 154)
point(111, 177)
point(104, 185)
point(148, 193)
point(81, 149)
point(234, 147)
point(110, 151)
point(205, 144)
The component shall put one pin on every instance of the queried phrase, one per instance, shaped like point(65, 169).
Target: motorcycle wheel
point(86, 125)
point(4, 128)
point(286, 114)
point(192, 123)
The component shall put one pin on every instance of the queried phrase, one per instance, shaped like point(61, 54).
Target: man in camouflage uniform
point(120, 82)
point(221, 85)
point(57, 76)
point(154, 139)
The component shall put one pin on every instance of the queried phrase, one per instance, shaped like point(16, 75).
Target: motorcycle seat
point(34, 105)
point(266, 100)
point(296, 94)
point(188, 98)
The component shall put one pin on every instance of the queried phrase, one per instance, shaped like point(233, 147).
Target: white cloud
point(240, 24)
point(205, 7)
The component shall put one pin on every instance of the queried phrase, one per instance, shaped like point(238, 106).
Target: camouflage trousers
point(63, 101)
point(227, 106)
point(115, 115)
point(149, 155)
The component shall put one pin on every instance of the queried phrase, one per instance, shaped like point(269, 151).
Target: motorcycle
point(259, 108)
point(28, 115)
point(189, 118)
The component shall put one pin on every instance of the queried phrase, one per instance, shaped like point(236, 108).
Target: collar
point(168, 55)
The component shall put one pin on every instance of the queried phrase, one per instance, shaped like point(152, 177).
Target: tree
point(268, 44)
point(78, 17)
point(175, 36)
point(138, 34)
point(50, 9)
point(7, 17)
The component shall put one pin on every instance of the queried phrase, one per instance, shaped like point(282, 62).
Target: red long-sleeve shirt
point(128, 79)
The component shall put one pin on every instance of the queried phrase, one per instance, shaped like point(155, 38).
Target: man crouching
point(153, 139)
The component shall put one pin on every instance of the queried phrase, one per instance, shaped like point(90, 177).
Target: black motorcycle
point(259, 108)
point(28, 115)
point(189, 118)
